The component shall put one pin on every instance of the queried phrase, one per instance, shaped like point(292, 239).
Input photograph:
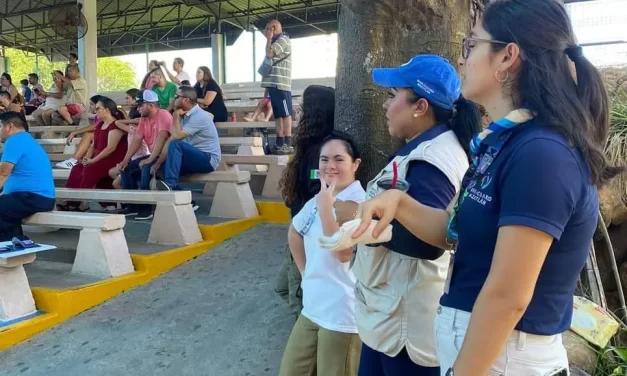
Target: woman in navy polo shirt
point(529, 205)
point(400, 282)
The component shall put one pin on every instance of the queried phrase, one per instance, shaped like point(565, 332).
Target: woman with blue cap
point(399, 282)
point(522, 226)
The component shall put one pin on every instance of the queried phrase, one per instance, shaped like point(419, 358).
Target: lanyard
point(487, 154)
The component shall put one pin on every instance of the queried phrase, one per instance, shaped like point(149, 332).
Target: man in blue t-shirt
point(25, 176)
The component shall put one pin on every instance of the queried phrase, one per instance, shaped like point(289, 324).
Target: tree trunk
point(387, 33)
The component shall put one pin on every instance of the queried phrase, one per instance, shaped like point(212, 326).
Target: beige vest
point(396, 295)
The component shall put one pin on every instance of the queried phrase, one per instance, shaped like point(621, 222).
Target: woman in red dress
point(106, 151)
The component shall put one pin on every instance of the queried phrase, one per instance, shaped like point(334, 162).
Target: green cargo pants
point(288, 283)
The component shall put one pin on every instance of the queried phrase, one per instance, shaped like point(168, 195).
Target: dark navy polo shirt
point(537, 181)
point(429, 186)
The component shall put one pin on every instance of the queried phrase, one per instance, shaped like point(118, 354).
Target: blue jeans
point(374, 363)
point(184, 159)
point(133, 174)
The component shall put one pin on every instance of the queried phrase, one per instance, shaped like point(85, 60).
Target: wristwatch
point(450, 372)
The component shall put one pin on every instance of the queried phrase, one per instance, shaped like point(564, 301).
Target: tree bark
point(387, 33)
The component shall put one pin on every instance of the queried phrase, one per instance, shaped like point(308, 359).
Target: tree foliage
point(113, 74)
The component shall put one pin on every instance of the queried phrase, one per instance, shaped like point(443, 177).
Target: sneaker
point(67, 164)
point(194, 206)
point(274, 149)
point(162, 186)
point(285, 150)
point(144, 216)
point(128, 211)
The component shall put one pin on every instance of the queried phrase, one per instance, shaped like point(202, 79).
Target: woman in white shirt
point(324, 340)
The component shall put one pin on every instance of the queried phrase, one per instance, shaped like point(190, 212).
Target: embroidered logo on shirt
point(314, 174)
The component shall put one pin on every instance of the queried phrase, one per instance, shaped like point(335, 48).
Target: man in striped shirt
point(279, 84)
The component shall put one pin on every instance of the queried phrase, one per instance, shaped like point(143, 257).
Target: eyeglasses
point(466, 47)
point(179, 96)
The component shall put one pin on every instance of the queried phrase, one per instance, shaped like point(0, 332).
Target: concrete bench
point(57, 145)
point(16, 298)
point(274, 165)
point(58, 128)
point(174, 220)
point(102, 251)
point(233, 197)
point(248, 125)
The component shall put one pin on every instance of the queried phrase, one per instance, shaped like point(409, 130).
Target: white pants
point(524, 355)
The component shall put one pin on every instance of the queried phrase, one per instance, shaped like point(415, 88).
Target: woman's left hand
point(87, 161)
point(325, 197)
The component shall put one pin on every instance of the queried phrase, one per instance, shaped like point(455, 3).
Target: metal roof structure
point(139, 26)
point(136, 26)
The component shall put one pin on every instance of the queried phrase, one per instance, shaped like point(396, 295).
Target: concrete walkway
point(216, 315)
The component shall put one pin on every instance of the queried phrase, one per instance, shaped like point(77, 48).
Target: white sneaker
point(67, 164)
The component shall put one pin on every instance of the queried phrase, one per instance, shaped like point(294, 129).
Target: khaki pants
point(312, 350)
point(288, 283)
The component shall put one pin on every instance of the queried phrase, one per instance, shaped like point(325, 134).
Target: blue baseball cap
point(429, 76)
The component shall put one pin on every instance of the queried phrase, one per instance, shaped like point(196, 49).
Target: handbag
point(266, 65)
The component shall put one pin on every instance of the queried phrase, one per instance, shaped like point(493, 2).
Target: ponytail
point(464, 121)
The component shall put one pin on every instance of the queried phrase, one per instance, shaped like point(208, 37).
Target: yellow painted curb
point(274, 212)
point(61, 305)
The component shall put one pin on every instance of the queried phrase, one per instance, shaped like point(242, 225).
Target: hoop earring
point(496, 75)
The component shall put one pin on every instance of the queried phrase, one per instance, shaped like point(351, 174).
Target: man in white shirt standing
point(177, 66)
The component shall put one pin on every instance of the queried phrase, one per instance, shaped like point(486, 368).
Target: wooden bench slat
point(106, 222)
point(126, 196)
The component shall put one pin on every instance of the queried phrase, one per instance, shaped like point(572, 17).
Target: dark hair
point(110, 105)
point(58, 72)
point(75, 56)
point(315, 124)
point(578, 109)
point(132, 93)
point(348, 142)
point(16, 118)
point(189, 93)
point(464, 120)
point(24, 82)
point(33, 75)
point(186, 83)
point(5, 94)
point(208, 77)
point(8, 77)
point(178, 60)
point(96, 98)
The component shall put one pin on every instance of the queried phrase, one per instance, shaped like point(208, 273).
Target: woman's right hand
point(383, 208)
point(70, 137)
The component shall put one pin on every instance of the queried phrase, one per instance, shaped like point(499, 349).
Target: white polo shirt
point(328, 285)
point(182, 76)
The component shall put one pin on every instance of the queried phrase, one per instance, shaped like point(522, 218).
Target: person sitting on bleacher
point(166, 91)
point(154, 129)
point(107, 150)
point(194, 146)
point(131, 94)
point(53, 100)
point(25, 176)
point(6, 104)
point(75, 95)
